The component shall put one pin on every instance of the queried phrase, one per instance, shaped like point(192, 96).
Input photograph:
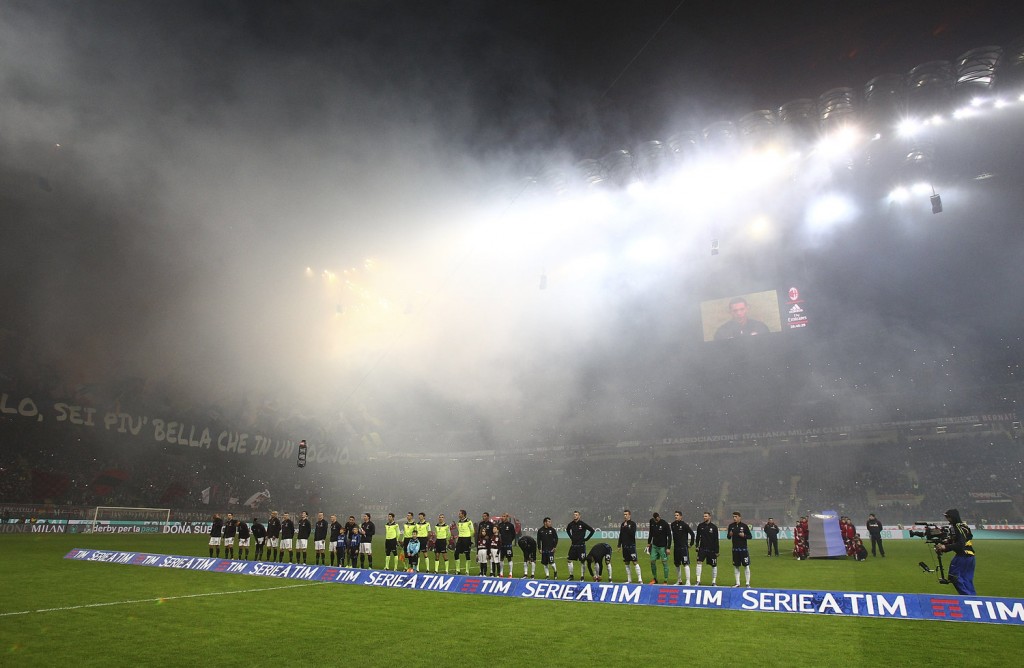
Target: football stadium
point(665, 331)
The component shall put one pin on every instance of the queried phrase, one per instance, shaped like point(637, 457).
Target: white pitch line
point(154, 600)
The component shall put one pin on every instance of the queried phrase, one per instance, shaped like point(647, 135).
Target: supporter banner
point(981, 609)
point(171, 430)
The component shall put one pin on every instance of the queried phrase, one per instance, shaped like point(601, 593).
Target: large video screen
point(753, 314)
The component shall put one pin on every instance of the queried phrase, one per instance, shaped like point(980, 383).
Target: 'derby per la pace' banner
point(982, 609)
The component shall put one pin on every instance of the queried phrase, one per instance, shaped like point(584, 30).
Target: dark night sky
point(210, 151)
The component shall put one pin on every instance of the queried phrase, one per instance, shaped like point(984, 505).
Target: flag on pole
point(206, 496)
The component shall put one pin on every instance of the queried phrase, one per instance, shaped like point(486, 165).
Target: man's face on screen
point(739, 312)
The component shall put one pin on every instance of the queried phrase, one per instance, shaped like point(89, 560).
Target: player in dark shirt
point(707, 548)
point(507, 533)
point(215, 531)
point(682, 539)
point(259, 533)
point(627, 543)
point(367, 529)
point(287, 537)
point(601, 555)
point(740, 533)
point(579, 533)
point(547, 541)
point(243, 540)
point(273, 536)
point(302, 544)
point(230, 529)
point(320, 538)
point(529, 547)
point(336, 528)
point(485, 523)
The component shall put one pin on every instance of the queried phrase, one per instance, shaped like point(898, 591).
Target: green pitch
point(54, 611)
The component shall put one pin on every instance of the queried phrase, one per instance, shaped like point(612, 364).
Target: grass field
point(54, 611)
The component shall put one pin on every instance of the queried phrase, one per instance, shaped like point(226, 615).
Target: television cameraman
point(961, 567)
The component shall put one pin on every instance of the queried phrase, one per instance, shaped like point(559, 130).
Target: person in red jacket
point(800, 544)
point(848, 532)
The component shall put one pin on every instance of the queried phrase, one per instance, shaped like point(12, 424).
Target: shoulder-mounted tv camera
point(932, 533)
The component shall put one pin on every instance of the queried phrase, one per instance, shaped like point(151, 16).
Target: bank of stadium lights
point(911, 127)
point(981, 76)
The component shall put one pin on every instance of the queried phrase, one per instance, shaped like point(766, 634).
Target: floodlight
point(760, 228)
point(829, 210)
point(840, 141)
point(899, 194)
point(909, 127)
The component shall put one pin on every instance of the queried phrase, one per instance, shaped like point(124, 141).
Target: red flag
point(107, 481)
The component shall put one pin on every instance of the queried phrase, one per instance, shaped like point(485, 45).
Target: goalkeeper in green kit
point(659, 539)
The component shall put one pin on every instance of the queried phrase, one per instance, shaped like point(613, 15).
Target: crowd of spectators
point(902, 479)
